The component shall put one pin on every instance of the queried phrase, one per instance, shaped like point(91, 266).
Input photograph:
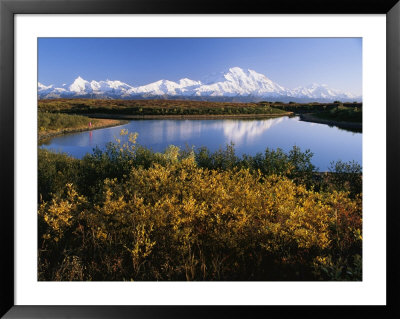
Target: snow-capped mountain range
point(236, 85)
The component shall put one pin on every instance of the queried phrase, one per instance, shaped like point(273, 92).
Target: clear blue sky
point(291, 62)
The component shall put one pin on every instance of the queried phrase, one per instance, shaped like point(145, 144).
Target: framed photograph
point(162, 159)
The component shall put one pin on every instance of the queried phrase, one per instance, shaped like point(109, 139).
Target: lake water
point(249, 137)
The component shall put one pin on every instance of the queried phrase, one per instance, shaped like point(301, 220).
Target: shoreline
point(184, 117)
point(42, 137)
point(121, 119)
point(308, 117)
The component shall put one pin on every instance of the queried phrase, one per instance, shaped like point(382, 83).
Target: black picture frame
point(8, 8)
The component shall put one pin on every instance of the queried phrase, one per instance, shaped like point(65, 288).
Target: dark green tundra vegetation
point(154, 107)
point(338, 111)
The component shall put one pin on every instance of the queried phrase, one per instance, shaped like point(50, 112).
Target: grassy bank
point(342, 114)
point(188, 116)
point(53, 124)
point(314, 107)
point(128, 213)
point(155, 107)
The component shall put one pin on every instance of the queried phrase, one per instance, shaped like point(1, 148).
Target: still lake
point(249, 137)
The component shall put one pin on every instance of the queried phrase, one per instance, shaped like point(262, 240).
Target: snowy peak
point(42, 87)
point(240, 82)
point(236, 74)
point(321, 91)
point(232, 84)
point(109, 86)
point(185, 82)
point(166, 87)
point(79, 85)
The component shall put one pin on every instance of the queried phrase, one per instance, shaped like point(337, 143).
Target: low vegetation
point(343, 114)
point(338, 112)
point(154, 107)
point(127, 213)
point(50, 124)
point(312, 107)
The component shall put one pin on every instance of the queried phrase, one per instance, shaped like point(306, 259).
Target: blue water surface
point(249, 137)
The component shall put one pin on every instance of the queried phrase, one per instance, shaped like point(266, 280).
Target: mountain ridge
point(235, 84)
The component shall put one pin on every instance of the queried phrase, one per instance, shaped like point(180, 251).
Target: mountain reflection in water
point(249, 137)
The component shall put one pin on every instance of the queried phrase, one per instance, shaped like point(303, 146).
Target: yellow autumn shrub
point(178, 221)
point(61, 213)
